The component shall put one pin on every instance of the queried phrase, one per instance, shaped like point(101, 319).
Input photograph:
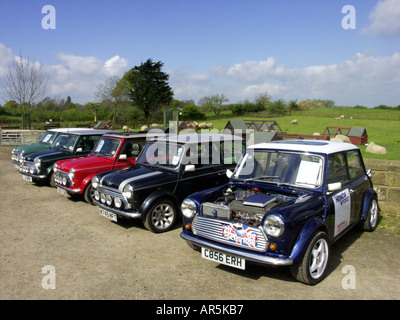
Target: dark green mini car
point(45, 143)
point(38, 166)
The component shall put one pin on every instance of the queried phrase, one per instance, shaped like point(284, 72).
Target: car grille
point(28, 167)
point(230, 233)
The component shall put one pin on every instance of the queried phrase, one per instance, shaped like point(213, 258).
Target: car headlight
point(71, 174)
point(55, 167)
point(273, 226)
point(128, 191)
point(188, 208)
point(95, 182)
point(37, 162)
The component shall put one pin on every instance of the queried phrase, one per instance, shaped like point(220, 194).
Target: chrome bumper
point(247, 256)
point(129, 215)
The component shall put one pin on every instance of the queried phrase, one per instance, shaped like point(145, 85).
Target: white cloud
point(73, 76)
point(385, 20)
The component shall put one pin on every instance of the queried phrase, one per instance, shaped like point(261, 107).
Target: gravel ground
point(59, 248)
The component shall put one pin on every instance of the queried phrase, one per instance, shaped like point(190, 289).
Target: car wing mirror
point(78, 150)
point(334, 186)
point(229, 173)
point(122, 157)
point(189, 168)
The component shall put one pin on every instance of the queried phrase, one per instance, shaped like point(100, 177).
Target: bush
point(192, 112)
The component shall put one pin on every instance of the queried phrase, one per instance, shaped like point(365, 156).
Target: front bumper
point(128, 215)
point(254, 257)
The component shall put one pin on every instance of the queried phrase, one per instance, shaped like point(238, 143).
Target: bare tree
point(106, 93)
point(25, 83)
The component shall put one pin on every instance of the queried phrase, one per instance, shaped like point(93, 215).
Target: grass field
point(382, 126)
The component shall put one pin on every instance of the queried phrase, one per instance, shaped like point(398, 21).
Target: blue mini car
point(285, 204)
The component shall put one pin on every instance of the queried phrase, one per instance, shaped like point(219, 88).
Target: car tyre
point(51, 180)
point(371, 221)
point(88, 194)
point(161, 217)
point(312, 268)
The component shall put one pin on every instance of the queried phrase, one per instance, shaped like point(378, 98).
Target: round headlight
point(188, 208)
point(128, 192)
point(37, 162)
point(55, 167)
point(71, 174)
point(273, 226)
point(95, 182)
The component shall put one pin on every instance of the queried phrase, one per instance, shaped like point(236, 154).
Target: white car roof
point(317, 146)
point(68, 129)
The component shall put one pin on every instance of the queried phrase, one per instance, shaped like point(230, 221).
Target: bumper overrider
point(260, 258)
point(114, 201)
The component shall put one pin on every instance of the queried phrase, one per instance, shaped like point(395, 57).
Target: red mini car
point(113, 151)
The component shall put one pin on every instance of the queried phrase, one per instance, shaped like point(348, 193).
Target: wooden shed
point(358, 135)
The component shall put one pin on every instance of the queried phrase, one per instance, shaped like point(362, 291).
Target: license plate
point(26, 178)
point(223, 258)
point(62, 191)
point(110, 215)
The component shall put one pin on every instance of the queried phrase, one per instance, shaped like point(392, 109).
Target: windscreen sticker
point(342, 204)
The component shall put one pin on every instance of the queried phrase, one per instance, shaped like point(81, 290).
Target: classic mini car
point(285, 204)
point(113, 151)
point(167, 170)
point(45, 143)
point(38, 166)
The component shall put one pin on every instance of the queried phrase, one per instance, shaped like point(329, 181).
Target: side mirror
point(78, 150)
point(229, 173)
point(189, 168)
point(334, 186)
point(122, 157)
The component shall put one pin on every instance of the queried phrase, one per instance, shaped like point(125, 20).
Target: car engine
point(242, 205)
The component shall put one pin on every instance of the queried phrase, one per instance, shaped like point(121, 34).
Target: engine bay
point(244, 205)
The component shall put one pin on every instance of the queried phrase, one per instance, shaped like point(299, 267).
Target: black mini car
point(167, 170)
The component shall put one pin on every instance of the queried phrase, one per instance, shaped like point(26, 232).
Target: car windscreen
point(162, 154)
point(48, 137)
point(106, 147)
point(65, 142)
point(278, 167)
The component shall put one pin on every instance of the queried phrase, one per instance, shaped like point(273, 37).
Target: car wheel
point(88, 194)
point(371, 221)
point(51, 180)
point(311, 269)
point(161, 217)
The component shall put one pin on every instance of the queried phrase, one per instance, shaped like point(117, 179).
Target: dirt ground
point(91, 257)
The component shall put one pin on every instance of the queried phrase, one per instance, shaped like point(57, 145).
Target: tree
point(25, 83)
point(213, 103)
point(108, 94)
point(147, 87)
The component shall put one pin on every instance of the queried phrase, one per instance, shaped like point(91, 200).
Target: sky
point(347, 51)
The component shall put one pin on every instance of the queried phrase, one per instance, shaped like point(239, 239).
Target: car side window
point(231, 151)
point(354, 164)
point(87, 143)
point(132, 148)
point(337, 171)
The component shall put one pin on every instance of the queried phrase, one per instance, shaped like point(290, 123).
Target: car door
point(358, 181)
point(339, 196)
point(201, 169)
point(131, 149)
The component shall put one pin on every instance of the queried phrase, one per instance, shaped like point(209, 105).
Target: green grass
point(382, 132)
